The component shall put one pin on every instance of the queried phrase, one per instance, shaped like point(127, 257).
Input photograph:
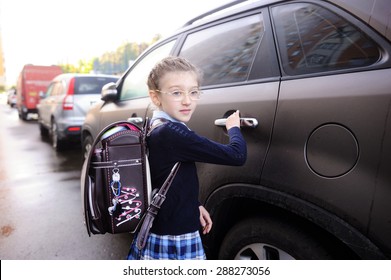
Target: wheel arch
point(235, 202)
point(84, 133)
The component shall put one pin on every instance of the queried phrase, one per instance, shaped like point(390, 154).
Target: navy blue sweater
point(173, 142)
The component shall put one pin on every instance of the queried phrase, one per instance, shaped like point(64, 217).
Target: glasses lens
point(195, 94)
point(176, 95)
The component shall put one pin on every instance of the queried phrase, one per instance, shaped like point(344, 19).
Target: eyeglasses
point(178, 95)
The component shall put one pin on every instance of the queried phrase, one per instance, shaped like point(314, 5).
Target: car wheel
point(44, 131)
point(267, 238)
point(87, 145)
point(58, 145)
point(22, 116)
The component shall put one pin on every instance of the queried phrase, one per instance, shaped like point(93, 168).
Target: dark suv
point(313, 80)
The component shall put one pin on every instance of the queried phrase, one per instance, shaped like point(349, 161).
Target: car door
point(332, 113)
point(240, 69)
point(49, 103)
point(133, 99)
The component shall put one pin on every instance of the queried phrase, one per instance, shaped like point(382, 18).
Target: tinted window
point(91, 85)
point(225, 52)
point(135, 84)
point(313, 39)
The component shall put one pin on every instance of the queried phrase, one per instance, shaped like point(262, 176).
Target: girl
point(174, 89)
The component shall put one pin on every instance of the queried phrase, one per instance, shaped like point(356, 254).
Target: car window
point(225, 53)
point(54, 89)
point(49, 91)
point(58, 89)
point(91, 85)
point(313, 39)
point(135, 83)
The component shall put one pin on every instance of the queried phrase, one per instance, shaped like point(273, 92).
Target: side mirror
point(109, 92)
point(42, 94)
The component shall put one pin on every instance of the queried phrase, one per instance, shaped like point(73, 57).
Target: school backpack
point(115, 181)
point(116, 184)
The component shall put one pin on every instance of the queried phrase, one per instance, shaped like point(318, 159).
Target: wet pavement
point(40, 203)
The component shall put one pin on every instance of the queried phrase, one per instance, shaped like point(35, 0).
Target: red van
point(32, 80)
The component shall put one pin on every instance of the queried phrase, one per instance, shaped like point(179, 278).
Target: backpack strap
point(154, 124)
point(154, 207)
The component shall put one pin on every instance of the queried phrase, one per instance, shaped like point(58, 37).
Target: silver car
point(62, 109)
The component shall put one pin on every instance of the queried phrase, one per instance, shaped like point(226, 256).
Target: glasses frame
point(183, 94)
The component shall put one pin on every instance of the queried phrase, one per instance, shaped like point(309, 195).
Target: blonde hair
point(171, 64)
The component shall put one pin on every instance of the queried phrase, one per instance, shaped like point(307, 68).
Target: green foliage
point(115, 62)
point(83, 66)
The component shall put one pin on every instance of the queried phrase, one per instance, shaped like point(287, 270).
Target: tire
point(267, 238)
point(87, 145)
point(22, 115)
point(57, 144)
point(43, 131)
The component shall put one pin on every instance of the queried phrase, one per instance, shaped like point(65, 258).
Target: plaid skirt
point(169, 247)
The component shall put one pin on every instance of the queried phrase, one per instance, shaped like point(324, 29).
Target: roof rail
point(220, 8)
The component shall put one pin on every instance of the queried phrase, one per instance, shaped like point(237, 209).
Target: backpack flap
point(114, 180)
point(127, 195)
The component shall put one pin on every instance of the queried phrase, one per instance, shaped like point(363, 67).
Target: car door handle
point(136, 120)
point(244, 122)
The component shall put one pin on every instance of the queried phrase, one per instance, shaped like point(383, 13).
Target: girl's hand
point(233, 120)
point(205, 220)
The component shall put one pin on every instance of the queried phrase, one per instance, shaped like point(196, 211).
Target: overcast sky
point(45, 32)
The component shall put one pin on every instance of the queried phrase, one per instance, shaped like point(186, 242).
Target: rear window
point(91, 85)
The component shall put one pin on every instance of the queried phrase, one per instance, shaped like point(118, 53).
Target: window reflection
point(135, 84)
point(225, 53)
point(312, 39)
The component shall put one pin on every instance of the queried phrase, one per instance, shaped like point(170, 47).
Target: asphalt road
point(41, 214)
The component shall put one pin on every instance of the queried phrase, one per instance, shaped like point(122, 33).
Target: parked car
point(62, 109)
point(11, 97)
point(312, 82)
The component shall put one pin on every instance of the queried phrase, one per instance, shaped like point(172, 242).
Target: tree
point(114, 62)
point(83, 66)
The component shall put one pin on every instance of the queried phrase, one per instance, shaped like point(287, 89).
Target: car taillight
point(74, 128)
point(67, 103)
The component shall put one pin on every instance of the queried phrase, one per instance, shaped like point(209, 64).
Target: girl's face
point(179, 109)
